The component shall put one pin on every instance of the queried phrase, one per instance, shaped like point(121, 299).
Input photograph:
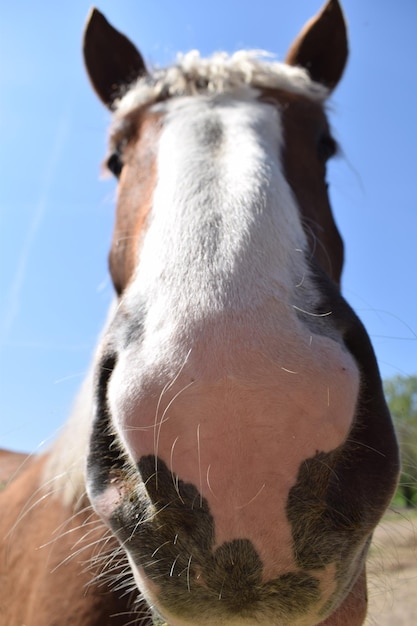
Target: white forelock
point(219, 73)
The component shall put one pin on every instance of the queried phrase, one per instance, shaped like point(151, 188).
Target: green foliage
point(401, 394)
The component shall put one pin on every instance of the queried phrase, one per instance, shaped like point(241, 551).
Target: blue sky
point(56, 214)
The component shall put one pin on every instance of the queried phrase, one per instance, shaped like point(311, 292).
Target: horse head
point(241, 449)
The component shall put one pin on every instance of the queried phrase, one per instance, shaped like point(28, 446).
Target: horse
point(230, 451)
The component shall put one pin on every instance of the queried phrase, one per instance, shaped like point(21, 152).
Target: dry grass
point(392, 571)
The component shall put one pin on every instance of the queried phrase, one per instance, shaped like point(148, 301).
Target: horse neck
point(47, 548)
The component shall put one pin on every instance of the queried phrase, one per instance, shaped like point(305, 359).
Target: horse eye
point(326, 147)
point(115, 164)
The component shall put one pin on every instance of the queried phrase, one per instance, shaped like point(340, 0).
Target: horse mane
point(64, 472)
point(220, 73)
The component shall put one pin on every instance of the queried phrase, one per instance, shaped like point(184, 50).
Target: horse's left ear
point(322, 47)
point(111, 59)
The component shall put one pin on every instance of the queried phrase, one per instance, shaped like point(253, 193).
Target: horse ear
point(112, 61)
point(322, 47)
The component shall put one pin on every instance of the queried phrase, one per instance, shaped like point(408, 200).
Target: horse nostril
point(104, 451)
point(105, 370)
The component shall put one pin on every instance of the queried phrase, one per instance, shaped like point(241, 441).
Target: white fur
point(223, 242)
point(220, 73)
point(223, 230)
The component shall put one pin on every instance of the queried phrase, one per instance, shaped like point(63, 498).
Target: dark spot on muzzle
point(167, 528)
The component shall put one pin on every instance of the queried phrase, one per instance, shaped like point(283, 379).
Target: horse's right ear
point(112, 61)
point(322, 46)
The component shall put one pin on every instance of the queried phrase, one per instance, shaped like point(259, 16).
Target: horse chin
point(349, 609)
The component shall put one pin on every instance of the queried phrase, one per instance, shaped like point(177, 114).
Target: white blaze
point(226, 384)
